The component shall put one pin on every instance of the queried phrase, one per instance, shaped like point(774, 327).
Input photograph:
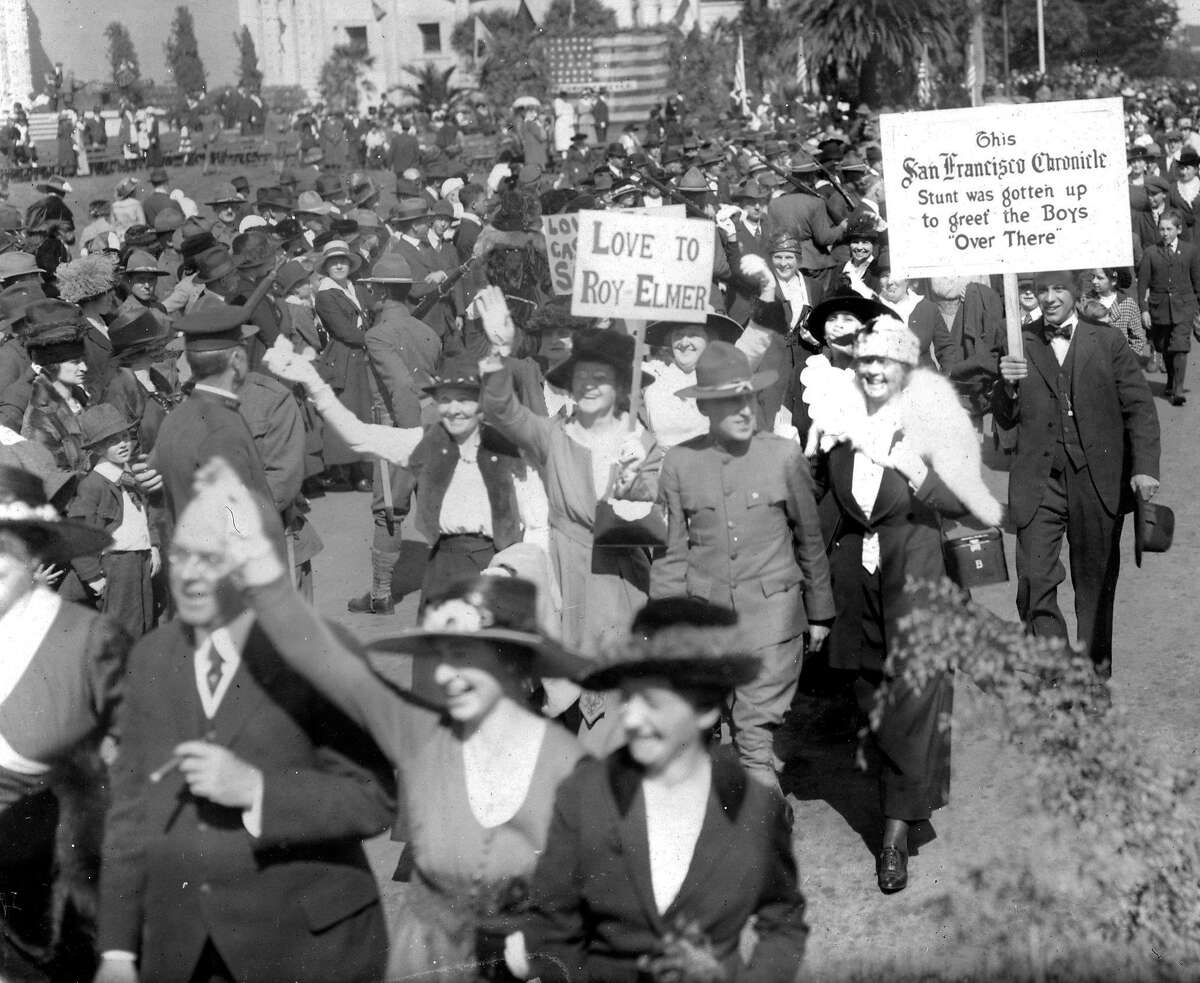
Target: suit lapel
point(1084, 350)
point(626, 779)
point(1041, 354)
point(245, 692)
point(714, 846)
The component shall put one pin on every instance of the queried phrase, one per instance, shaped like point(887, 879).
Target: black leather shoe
point(892, 870)
point(1178, 400)
point(363, 485)
point(367, 604)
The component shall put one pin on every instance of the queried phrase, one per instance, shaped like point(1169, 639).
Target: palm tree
point(871, 38)
point(343, 78)
point(432, 88)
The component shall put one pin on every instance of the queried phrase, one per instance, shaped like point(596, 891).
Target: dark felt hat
point(168, 220)
point(140, 236)
point(692, 182)
point(724, 370)
point(863, 308)
point(458, 372)
point(1189, 158)
point(274, 197)
point(100, 422)
point(687, 642)
point(719, 327)
point(213, 264)
point(751, 189)
point(290, 275)
point(598, 345)
point(53, 332)
point(215, 328)
point(25, 509)
point(1153, 528)
point(15, 299)
point(136, 329)
point(500, 610)
point(158, 175)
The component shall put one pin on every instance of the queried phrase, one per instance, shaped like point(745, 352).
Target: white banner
point(1007, 189)
point(644, 267)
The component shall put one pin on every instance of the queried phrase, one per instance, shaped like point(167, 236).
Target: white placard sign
point(1007, 189)
point(561, 232)
point(642, 267)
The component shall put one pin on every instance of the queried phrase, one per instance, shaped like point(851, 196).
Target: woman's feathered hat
point(86, 278)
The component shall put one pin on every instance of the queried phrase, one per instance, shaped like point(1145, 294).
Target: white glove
point(282, 360)
point(492, 310)
point(725, 217)
point(754, 267)
point(783, 425)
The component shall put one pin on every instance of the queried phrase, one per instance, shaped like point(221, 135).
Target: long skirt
point(913, 738)
point(602, 588)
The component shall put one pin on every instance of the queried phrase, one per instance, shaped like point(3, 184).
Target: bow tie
point(1060, 331)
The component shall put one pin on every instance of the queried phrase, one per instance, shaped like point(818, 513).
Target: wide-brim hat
point(863, 308)
point(53, 185)
point(25, 509)
point(1188, 158)
point(1153, 528)
point(723, 371)
point(687, 642)
point(100, 422)
point(139, 262)
point(136, 329)
point(311, 203)
point(719, 327)
point(227, 195)
point(409, 210)
point(274, 197)
point(499, 610)
point(338, 249)
point(213, 264)
point(313, 155)
point(126, 187)
point(459, 372)
point(692, 182)
point(389, 268)
point(598, 345)
point(15, 264)
point(752, 189)
point(158, 175)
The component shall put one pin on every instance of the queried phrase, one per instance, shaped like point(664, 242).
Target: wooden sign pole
point(1012, 314)
point(637, 330)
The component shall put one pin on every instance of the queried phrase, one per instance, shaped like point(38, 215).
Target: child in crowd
point(108, 498)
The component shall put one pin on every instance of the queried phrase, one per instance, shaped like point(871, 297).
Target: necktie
point(129, 483)
point(213, 676)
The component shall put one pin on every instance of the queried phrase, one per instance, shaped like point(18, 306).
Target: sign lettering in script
point(1006, 189)
point(642, 266)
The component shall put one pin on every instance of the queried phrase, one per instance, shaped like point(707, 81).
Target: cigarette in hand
point(163, 771)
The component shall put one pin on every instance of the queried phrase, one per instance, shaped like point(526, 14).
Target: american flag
point(632, 67)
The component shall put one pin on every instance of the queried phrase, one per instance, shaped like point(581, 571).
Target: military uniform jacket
point(744, 532)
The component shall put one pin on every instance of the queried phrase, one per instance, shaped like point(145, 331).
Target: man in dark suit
point(1075, 397)
point(1185, 189)
point(806, 216)
point(207, 424)
point(600, 117)
point(750, 235)
point(1168, 291)
point(410, 221)
point(240, 798)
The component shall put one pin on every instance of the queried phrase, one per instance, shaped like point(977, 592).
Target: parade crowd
point(637, 536)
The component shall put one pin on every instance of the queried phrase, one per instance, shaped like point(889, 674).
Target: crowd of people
point(637, 536)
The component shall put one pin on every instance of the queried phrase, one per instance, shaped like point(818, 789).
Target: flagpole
point(1041, 32)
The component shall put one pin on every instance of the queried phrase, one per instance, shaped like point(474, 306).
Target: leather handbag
point(632, 524)
point(976, 559)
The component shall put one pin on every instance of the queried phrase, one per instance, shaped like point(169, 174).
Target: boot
point(379, 599)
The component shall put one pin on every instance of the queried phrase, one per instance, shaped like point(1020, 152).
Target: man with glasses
point(233, 846)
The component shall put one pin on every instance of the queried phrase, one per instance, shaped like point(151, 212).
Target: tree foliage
point(249, 73)
point(343, 76)
point(701, 67)
point(431, 88)
point(878, 43)
point(183, 54)
point(122, 56)
point(515, 65)
point(591, 17)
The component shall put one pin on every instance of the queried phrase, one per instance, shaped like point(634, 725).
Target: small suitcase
point(976, 560)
